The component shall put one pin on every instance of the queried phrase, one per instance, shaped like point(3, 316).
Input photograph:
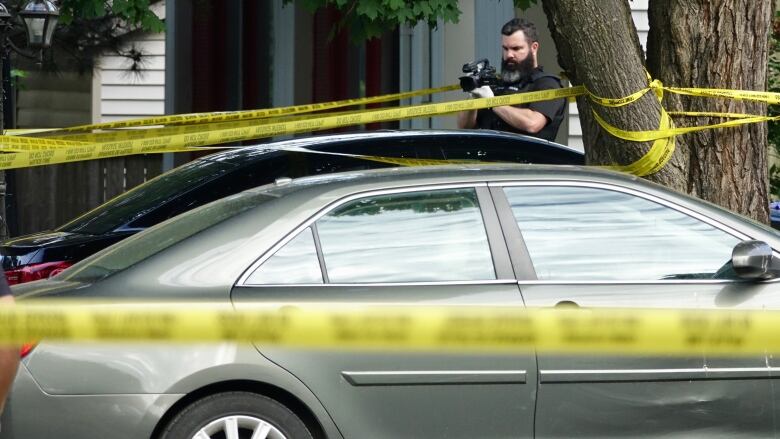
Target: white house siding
point(639, 13)
point(53, 100)
point(123, 94)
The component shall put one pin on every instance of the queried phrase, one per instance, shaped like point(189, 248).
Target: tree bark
point(717, 44)
point(692, 43)
point(598, 47)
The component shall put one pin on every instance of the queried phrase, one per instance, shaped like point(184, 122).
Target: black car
point(43, 254)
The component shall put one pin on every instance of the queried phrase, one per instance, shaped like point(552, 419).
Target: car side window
point(435, 235)
point(295, 263)
point(583, 233)
point(230, 181)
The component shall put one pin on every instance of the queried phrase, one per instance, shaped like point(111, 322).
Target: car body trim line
point(742, 372)
point(418, 377)
point(637, 375)
point(390, 284)
point(633, 282)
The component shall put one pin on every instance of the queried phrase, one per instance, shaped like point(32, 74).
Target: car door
point(586, 244)
point(433, 245)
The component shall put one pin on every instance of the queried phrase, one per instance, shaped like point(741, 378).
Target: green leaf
point(152, 23)
point(121, 6)
point(524, 4)
point(97, 9)
point(369, 8)
point(426, 9)
point(373, 29)
point(405, 16)
point(395, 4)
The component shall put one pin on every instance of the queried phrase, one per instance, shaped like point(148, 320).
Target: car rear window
point(143, 198)
point(201, 182)
point(156, 239)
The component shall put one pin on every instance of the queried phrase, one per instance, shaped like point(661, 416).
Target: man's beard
point(516, 72)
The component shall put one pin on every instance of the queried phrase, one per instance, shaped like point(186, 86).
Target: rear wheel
point(236, 415)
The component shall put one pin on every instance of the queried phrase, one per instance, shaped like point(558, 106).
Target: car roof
point(325, 140)
point(446, 174)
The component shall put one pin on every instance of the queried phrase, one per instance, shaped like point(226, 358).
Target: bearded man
point(520, 72)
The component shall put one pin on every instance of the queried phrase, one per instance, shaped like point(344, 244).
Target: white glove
point(482, 92)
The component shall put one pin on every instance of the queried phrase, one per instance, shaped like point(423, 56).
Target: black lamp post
point(40, 20)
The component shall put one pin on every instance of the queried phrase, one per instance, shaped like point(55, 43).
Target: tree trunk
point(692, 43)
point(598, 47)
point(717, 44)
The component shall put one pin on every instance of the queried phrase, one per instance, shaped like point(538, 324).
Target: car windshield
point(146, 197)
point(160, 237)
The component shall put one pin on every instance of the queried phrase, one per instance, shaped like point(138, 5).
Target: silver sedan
point(536, 236)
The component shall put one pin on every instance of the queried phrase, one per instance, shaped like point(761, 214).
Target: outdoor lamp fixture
point(39, 17)
point(5, 16)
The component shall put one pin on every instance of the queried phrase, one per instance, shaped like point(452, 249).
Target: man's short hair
point(516, 24)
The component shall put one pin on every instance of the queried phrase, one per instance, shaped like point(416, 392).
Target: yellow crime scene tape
point(60, 147)
point(81, 152)
point(183, 138)
point(662, 149)
point(416, 328)
point(191, 132)
point(227, 116)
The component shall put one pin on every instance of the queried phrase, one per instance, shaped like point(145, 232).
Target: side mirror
point(752, 260)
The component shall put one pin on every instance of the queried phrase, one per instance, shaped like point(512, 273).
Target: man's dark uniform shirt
point(552, 110)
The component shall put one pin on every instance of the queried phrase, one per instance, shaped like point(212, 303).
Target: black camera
point(479, 73)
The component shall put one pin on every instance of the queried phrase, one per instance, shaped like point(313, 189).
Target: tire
point(243, 412)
